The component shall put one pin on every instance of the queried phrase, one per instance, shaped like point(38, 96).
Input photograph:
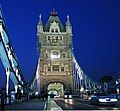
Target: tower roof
point(40, 20)
point(54, 17)
point(68, 21)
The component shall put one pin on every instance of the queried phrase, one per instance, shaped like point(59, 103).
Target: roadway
point(80, 104)
point(58, 104)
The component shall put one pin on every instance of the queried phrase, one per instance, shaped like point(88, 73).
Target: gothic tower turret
point(68, 26)
point(55, 54)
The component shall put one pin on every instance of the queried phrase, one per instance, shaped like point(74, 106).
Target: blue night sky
point(96, 33)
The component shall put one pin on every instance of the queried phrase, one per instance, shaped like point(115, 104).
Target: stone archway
point(53, 81)
point(57, 88)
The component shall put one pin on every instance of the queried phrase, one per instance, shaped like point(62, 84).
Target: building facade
point(55, 44)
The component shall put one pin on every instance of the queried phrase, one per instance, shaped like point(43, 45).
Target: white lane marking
point(44, 106)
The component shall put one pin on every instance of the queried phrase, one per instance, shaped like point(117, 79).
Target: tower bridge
point(57, 63)
point(57, 68)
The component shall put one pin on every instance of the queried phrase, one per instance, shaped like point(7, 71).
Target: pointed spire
point(40, 16)
point(40, 20)
point(68, 21)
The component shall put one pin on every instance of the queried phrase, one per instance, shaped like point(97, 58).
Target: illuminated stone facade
point(55, 45)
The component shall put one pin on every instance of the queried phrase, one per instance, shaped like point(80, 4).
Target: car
point(67, 95)
point(57, 96)
point(117, 96)
point(52, 95)
point(103, 99)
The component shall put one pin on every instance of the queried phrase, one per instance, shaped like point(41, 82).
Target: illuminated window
point(55, 67)
point(55, 54)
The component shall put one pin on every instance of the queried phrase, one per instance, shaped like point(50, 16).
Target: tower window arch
point(46, 55)
point(55, 67)
point(52, 30)
point(55, 54)
point(64, 55)
point(56, 30)
point(62, 69)
point(48, 68)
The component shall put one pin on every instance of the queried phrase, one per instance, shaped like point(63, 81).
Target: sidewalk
point(52, 105)
point(27, 105)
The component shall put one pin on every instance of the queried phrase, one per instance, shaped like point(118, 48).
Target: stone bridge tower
point(55, 62)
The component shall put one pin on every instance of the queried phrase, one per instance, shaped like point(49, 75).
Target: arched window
point(56, 30)
point(46, 55)
point(64, 55)
point(52, 30)
point(55, 67)
point(62, 69)
point(48, 68)
point(55, 53)
point(48, 37)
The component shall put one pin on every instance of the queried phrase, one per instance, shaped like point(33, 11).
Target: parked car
point(103, 99)
point(67, 95)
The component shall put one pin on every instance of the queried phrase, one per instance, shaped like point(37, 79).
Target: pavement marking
point(44, 106)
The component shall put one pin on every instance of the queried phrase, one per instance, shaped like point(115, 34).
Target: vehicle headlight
point(65, 96)
point(89, 98)
point(102, 100)
point(70, 96)
point(36, 93)
point(113, 100)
